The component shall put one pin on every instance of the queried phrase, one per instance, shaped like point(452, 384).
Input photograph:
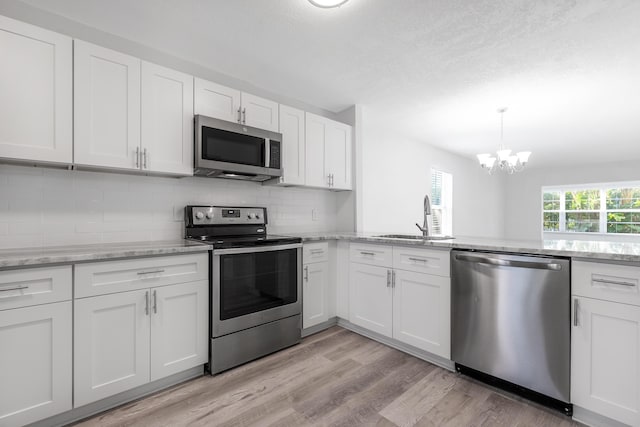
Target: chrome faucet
point(427, 212)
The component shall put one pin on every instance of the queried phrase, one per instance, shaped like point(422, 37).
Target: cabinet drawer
point(33, 286)
point(118, 276)
point(315, 252)
point(428, 261)
point(371, 254)
point(611, 282)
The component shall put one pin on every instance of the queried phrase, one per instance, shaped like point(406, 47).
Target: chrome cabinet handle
point(306, 273)
point(146, 303)
point(150, 272)
point(317, 251)
point(17, 288)
point(388, 278)
point(137, 157)
point(144, 158)
point(576, 307)
point(155, 301)
point(418, 259)
point(393, 279)
point(331, 180)
point(328, 180)
point(239, 118)
point(244, 116)
point(614, 282)
point(367, 253)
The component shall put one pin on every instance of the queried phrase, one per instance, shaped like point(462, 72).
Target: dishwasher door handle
point(509, 263)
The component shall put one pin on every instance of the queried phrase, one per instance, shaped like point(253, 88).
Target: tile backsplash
point(51, 207)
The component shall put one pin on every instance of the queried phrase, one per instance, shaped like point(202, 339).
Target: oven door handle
point(256, 249)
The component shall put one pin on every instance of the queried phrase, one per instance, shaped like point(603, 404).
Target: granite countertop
point(607, 251)
point(10, 258)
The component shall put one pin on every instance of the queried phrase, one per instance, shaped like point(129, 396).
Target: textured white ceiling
point(568, 70)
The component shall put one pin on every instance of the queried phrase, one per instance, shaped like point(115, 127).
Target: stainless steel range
point(255, 284)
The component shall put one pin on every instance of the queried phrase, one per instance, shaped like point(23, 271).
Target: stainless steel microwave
point(233, 150)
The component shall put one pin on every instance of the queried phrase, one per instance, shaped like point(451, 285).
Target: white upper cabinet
point(35, 93)
point(167, 120)
point(327, 153)
point(293, 135)
point(259, 112)
point(224, 103)
point(106, 107)
point(337, 153)
point(217, 101)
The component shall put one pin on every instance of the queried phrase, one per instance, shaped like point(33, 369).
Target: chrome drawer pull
point(146, 303)
point(615, 282)
point(576, 307)
point(367, 253)
point(418, 259)
point(150, 272)
point(155, 301)
point(317, 251)
point(13, 289)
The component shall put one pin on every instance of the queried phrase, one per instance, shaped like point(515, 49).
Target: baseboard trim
point(420, 354)
point(111, 402)
point(320, 327)
point(592, 419)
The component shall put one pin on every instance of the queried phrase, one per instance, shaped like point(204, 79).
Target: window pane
point(436, 187)
point(436, 217)
point(551, 201)
point(582, 200)
point(583, 222)
point(551, 221)
point(623, 222)
point(623, 198)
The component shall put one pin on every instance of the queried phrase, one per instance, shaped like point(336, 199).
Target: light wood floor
point(334, 378)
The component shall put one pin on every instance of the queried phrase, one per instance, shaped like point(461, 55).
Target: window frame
point(603, 212)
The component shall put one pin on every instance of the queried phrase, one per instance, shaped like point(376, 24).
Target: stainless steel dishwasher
point(511, 323)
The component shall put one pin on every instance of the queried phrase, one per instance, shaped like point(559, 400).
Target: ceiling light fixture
point(327, 4)
point(504, 160)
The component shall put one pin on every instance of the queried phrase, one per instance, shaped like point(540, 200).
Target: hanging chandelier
point(504, 160)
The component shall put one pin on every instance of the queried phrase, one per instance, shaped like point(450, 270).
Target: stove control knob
point(252, 216)
point(257, 216)
point(209, 215)
point(199, 215)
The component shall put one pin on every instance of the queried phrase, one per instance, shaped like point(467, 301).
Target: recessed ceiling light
point(326, 4)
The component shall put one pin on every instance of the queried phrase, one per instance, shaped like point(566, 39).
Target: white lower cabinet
point(179, 328)
point(127, 339)
point(392, 296)
point(315, 287)
point(605, 359)
point(422, 311)
point(35, 359)
point(371, 298)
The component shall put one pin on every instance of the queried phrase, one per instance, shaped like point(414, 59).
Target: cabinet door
point(179, 328)
point(371, 298)
point(605, 359)
point(217, 101)
point(422, 311)
point(315, 175)
point(315, 288)
point(111, 345)
point(337, 149)
point(259, 112)
point(106, 107)
point(35, 94)
point(167, 120)
point(35, 363)
point(292, 130)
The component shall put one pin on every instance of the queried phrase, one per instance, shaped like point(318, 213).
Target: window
point(604, 208)
point(441, 202)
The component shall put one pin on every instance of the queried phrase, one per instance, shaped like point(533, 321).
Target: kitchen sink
point(414, 237)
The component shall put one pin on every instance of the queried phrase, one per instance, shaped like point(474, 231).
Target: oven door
point(253, 286)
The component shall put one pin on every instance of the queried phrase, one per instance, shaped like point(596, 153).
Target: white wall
point(396, 176)
point(50, 207)
point(523, 209)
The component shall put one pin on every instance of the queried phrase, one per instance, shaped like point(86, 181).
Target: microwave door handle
point(267, 152)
